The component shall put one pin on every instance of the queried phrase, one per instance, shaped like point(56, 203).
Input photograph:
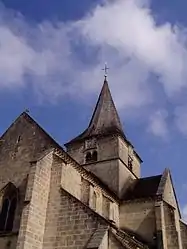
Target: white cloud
point(134, 33)
point(158, 125)
point(15, 57)
point(181, 119)
point(122, 32)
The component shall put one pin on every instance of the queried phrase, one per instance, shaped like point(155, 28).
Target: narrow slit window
point(11, 214)
point(4, 214)
point(8, 209)
point(94, 156)
point(88, 157)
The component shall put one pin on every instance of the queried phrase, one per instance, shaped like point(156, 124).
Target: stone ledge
point(8, 234)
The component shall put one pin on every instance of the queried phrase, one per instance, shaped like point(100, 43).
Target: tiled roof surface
point(143, 188)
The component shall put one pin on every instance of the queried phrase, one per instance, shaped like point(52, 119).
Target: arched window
point(8, 209)
point(94, 200)
point(88, 157)
point(94, 155)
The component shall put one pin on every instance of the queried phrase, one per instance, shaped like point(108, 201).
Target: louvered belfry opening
point(91, 156)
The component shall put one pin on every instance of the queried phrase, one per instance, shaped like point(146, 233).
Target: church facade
point(89, 195)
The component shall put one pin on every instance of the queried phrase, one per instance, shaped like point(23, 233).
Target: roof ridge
point(149, 177)
point(127, 240)
point(162, 184)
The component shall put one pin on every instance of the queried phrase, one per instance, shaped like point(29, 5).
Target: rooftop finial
point(105, 69)
point(27, 110)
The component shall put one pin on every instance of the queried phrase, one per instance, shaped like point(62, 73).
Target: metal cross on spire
point(105, 69)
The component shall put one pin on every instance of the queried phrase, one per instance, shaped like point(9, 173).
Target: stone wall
point(113, 242)
point(107, 171)
point(81, 185)
point(139, 217)
point(107, 148)
point(114, 174)
point(8, 241)
point(33, 219)
point(104, 242)
point(112, 162)
point(136, 167)
point(76, 151)
point(125, 178)
point(106, 167)
point(125, 151)
point(114, 212)
point(71, 180)
point(18, 146)
point(170, 198)
point(93, 199)
point(169, 195)
point(106, 207)
point(183, 228)
point(160, 225)
point(69, 223)
point(170, 227)
point(85, 191)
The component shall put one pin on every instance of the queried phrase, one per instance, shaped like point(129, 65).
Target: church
point(88, 194)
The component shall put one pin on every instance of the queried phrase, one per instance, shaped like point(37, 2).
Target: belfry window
point(8, 209)
point(88, 157)
point(94, 155)
point(91, 156)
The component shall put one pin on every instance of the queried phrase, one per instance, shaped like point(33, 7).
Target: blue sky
point(52, 53)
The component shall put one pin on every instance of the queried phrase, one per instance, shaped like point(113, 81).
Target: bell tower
point(103, 147)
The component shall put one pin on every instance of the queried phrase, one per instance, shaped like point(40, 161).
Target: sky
point(51, 56)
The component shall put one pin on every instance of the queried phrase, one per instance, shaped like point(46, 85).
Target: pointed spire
point(105, 119)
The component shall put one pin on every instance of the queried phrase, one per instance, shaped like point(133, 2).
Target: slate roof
point(105, 119)
point(128, 241)
point(143, 188)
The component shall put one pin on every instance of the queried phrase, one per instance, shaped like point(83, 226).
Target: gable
point(166, 191)
point(169, 195)
point(23, 141)
point(24, 138)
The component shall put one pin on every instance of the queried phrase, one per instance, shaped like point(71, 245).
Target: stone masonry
point(89, 196)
